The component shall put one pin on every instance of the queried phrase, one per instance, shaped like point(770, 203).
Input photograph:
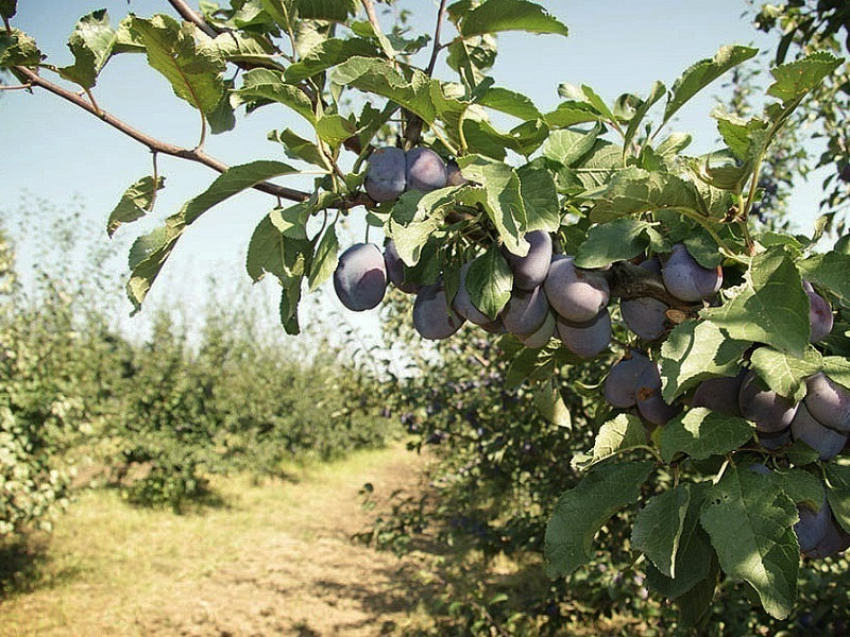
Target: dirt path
point(278, 560)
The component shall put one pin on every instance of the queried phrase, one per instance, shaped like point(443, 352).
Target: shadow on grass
point(20, 566)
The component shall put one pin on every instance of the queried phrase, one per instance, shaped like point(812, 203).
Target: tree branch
point(435, 51)
point(158, 146)
point(187, 13)
point(628, 281)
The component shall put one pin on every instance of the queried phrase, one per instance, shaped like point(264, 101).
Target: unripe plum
point(542, 335)
point(530, 271)
point(432, 316)
point(462, 303)
point(576, 295)
point(586, 339)
point(812, 525)
point(386, 176)
point(525, 311)
point(770, 411)
point(425, 170)
point(820, 314)
point(621, 383)
point(686, 279)
point(828, 402)
point(719, 394)
point(650, 404)
point(827, 442)
point(360, 278)
point(395, 269)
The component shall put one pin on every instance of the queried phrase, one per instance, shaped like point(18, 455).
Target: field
point(271, 558)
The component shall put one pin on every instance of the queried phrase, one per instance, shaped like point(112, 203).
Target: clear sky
point(57, 152)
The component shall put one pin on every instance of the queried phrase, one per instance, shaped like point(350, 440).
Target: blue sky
point(57, 152)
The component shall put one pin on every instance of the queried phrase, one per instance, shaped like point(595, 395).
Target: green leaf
point(489, 282)
point(838, 492)
point(135, 203)
point(634, 191)
point(838, 369)
point(598, 168)
point(769, 307)
point(500, 196)
point(327, 54)
point(260, 86)
point(786, 374)
point(829, 271)
point(325, 260)
point(803, 487)
point(186, 57)
point(539, 197)
point(749, 520)
point(510, 102)
point(572, 112)
point(701, 433)
point(795, 79)
point(522, 367)
point(622, 433)
point(483, 138)
point(18, 49)
point(550, 403)
point(290, 297)
point(621, 239)
point(693, 556)
point(332, 10)
point(582, 511)
point(297, 147)
point(8, 8)
point(658, 527)
point(147, 256)
point(567, 147)
point(656, 93)
point(334, 129)
point(696, 351)
point(279, 246)
point(703, 73)
point(414, 219)
point(379, 76)
point(91, 43)
point(494, 16)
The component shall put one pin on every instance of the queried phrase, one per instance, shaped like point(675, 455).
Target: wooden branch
point(187, 13)
point(628, 281)
point(156, 145)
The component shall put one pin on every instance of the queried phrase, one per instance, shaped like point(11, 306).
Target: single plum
point(576, 295)
point(650, 404)
point(360, 278)
point(462, 303)
point(621, 383)
point(827, 442)
point(835, 540)
point(719, 394)
point(812, 526)
point(820, 314)
point(828, 402)
point(525, 311)
point(542, 335)
point(686, 279)
point(425, 170)
point(645, 316)
point(530, 271)
point(386, 175)
point(432, 316)
point(776, 440)
point(395, 269)
point(454, 176)
point(769, 411)
point(586, 339)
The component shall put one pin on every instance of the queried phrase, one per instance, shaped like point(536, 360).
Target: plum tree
point(577, 295)
point(433, 318)
point(688, 280)
point(530, 270)
point(386, 176)
point(770, 411)
point(426, 170)
point(360, 277)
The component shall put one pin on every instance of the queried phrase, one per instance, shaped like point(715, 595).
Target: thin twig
point(157, 145)
point(16, 87)
point(376, 26)
point(435, 51)
point(187, 13)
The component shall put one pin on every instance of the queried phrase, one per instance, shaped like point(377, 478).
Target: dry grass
point(276, 559)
